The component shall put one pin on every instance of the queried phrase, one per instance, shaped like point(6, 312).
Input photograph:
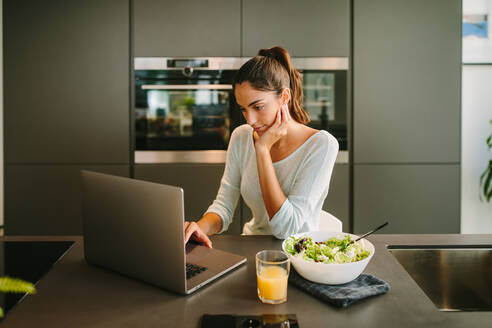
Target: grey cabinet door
point(66, 81)
point(413, 198)
point(47, 199)
point(407, 72)
point(200, 183)
point(309, 28)
point(337, 201)
point(187, 28)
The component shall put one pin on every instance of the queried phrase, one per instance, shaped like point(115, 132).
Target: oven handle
point(187, 87)
point(199, 156)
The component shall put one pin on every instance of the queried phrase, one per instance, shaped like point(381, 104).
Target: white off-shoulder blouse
point(304, 177)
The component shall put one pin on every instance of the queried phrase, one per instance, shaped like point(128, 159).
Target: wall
point(476, 215)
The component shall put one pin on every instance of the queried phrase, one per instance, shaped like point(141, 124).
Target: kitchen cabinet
point(187, 28)
point(407, 73)
point(406, 114)
point(47, 199)
point(200, 183)
point(66, 107)
point(66, 81)
point(413, 198)
point(309, 28)
point(336, 202)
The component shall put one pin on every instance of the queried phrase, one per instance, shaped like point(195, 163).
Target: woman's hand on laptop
point(194, 232)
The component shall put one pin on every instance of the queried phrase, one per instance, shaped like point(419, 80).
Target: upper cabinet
point(407, 66)
point(308, 28)
point(187, 28)
point(192, 28)
point(66, 81)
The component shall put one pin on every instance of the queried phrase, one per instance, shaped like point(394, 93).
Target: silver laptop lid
point(135, 228)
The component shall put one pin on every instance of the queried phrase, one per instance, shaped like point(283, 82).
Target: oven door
point(182, 112)
point(325, 100)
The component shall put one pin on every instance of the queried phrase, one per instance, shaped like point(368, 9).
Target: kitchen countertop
point(76, 294)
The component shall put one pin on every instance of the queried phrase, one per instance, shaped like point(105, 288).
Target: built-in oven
point(185, 109)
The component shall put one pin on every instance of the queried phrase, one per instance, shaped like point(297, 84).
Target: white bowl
point(330, 273)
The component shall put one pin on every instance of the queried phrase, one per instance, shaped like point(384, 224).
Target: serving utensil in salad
point(368, 233)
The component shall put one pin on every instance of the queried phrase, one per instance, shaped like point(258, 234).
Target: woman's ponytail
point(296, 104)
point(265, 73)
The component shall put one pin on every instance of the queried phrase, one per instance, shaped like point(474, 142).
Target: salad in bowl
point(328, 257)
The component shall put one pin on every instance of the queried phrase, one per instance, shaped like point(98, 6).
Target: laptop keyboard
point(193, 269)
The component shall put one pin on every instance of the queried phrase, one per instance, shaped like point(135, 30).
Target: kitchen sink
point(455, 278)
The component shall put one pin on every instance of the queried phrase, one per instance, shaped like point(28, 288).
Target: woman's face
point(259, 108)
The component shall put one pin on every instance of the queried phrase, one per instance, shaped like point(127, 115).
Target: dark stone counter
point(75, 294)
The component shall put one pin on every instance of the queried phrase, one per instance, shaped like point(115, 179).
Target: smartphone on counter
point(249, 321)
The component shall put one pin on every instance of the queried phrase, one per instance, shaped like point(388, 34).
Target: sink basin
point(455, 278)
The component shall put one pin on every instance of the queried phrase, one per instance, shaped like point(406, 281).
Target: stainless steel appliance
point(185, 109)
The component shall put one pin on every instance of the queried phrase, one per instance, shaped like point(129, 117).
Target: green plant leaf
point(482, 176)
point(14, 285)
point(1, 312)
point(485, 182)
point(486, 185)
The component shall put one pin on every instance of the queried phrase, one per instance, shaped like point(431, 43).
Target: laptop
point(136, 228)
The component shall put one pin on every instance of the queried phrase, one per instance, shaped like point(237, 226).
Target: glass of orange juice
point(272, 273)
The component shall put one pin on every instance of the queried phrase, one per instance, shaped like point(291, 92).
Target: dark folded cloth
point(363, 286)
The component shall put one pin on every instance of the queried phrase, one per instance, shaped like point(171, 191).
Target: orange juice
point(272, 283)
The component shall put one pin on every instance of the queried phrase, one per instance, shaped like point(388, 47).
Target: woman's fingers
point(285, 120)
point(256, 137)
point(287, 113)
point(192, 230)
point(202, 237)
point(189, 230)
point(279, 117)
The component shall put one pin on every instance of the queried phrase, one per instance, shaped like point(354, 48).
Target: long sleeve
point(303, 204)
point(228, 195)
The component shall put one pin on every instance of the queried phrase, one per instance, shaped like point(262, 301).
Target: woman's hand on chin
point(276, 131)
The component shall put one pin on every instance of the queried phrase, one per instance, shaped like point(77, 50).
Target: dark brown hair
point(272, 70)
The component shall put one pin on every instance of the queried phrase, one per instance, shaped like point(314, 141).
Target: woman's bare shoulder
point(321, 137)
point(306, 133)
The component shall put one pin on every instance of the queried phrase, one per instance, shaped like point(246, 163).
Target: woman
point(280, 166)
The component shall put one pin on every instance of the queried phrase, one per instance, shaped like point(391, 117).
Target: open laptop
point(137, 228)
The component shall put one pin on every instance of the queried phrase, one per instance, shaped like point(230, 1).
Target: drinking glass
point(272, 273)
